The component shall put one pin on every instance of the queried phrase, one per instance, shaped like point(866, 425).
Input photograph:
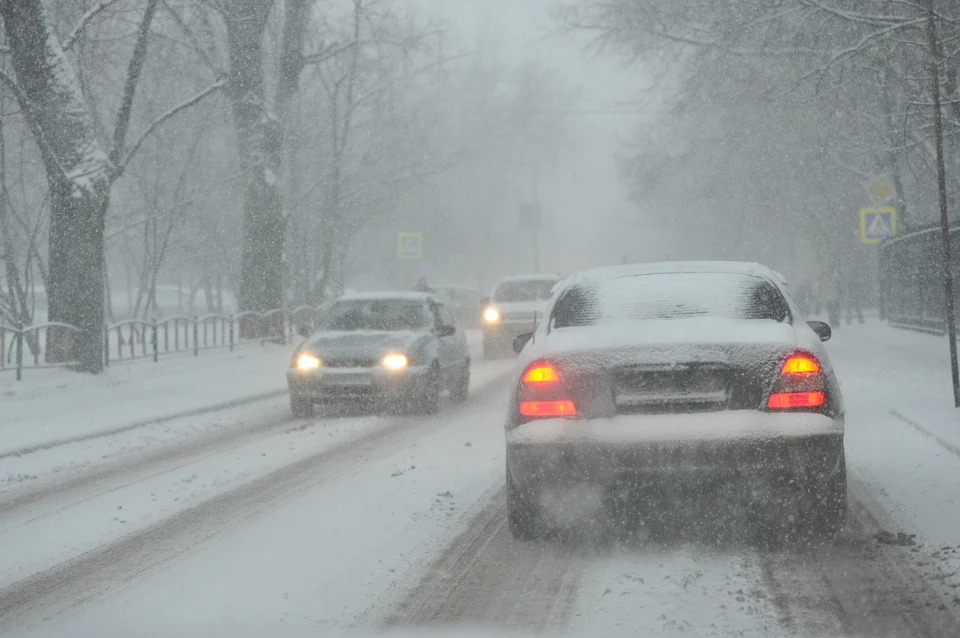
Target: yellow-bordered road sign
point(877, 224)
point(409, 246)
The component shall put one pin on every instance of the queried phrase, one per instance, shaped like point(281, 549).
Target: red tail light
point(540, 373)
point(800, 364)
point(787, 400)
point(800, 386)
point(547, 408)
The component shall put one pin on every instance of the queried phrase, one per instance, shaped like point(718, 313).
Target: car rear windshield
point(375, 314)
point(532, 290)
point(669, 296)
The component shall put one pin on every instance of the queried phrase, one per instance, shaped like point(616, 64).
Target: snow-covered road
point(244, 521)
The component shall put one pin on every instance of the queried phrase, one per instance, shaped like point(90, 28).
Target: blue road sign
point(877, 224)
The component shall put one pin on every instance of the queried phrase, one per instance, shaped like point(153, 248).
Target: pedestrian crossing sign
point(877, 224)
point(409, 246)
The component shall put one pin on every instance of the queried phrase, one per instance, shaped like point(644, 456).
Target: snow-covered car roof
point(466, 288)
point(673, 267)
point(387, 295)
point(533, 277)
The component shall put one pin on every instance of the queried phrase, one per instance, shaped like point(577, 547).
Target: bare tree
point(260, 134)
point(80, 167)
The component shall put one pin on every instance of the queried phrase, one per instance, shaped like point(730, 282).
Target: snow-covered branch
point(84, 21)
point(137, 59)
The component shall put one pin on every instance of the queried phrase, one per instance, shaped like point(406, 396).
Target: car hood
point(360, 343)
point(521, 306)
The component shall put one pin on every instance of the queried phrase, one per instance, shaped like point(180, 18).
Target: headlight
point(395, 361)
point(491, 315)
point(308, 362)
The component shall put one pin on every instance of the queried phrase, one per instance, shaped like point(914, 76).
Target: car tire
point(824, 515)
point(461, 386)
point(429, 400)
point(829, 516)
point(301, 407)
point(523, 515)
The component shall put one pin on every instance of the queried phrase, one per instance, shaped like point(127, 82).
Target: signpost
point(530, 216)
point(880, 190)
point(942, 184)
point(409, 246)
point(877, 224)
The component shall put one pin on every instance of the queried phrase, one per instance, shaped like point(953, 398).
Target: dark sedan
point(648, 379)
point(392, 350)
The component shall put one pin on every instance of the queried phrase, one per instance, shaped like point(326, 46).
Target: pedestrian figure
point(422, 285)
point(831, 298)
point(852, 303)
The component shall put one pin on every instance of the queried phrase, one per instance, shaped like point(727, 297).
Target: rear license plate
point(348, 378)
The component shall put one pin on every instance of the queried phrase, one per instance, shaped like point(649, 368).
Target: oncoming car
point(395, 350)
point(664, 376)
point(513, 309)
point(464, 303)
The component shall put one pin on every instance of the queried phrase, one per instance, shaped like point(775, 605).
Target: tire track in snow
point(485, 576)
point(53, 497)
point(116, 565)
point(855, 587)
point(210, 409)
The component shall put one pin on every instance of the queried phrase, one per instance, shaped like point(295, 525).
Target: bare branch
point(134, 70)
point(84, 21)
point(196, 99)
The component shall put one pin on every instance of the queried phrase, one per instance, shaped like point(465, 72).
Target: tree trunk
point(76, 263)
point(260, 135)
point(78, 173)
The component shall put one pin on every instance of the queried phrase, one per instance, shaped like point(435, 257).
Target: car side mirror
point(521, 341)
point(447, 331)
point(823, 330)
point(305, 331)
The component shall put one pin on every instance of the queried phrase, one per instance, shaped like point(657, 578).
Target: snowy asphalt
point(266, 524)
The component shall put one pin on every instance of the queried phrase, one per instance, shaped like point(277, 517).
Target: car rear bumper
point(678, 448)
point(358, 384)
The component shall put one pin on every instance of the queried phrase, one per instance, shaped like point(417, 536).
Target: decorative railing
point(48, 345)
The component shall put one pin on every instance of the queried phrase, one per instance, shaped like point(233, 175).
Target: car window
point(446, 319)
point(528, 290)
point(375, 314)
point(669, 296)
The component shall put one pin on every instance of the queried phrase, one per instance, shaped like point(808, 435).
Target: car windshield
point(669, 296)
point(387, 315)
point(527, 290)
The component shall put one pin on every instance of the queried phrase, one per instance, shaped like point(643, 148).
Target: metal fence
point(47, 345)
point(911, 279)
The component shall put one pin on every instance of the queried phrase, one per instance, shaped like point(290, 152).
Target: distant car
point(696, 375)
point(513, 309)
point(464, 303)
point(395, 350)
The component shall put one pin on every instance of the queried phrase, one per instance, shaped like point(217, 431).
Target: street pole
point(535, 235)
point(944, 219)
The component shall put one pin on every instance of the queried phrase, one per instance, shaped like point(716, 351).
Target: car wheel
point(461, 386)
point(824, 513)
point(300, 407)
point(829, 513)
point(523, 516)
point(429, 400)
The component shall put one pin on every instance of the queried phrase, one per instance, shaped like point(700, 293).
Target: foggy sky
point(589, 219)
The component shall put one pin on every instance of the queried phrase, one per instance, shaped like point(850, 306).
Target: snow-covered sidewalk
point(54, 406)
point(907, 372)
point(51, 407)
